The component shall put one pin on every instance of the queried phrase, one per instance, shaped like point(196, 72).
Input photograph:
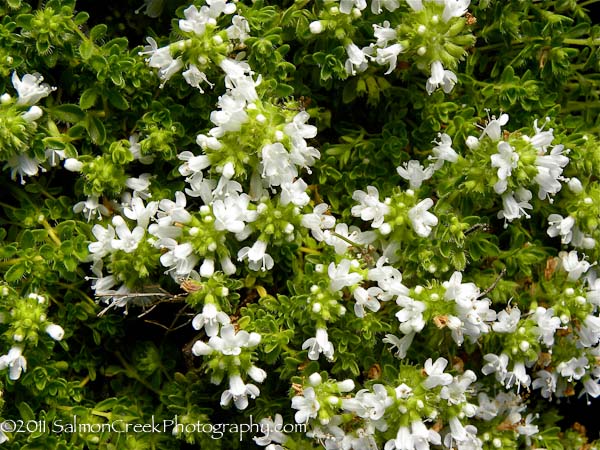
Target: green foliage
point(366, 220)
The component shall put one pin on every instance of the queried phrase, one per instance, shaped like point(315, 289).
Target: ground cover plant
point(299, 224)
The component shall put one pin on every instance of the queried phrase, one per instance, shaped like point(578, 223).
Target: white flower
point(411, 315)
point(180, 260)
point(91, 207)
point(239, 391)
point(561, 226)
point(400, 344)
point(390, 5)
point(435, 373)
point(496, 364)
point(388, 55)
point(357, 60)
point(366, 298)
point(231, 213)
point(257, 257)
point(439, 76)
point(507, 321)
point(128, 240)
point(15, 361)
point(294, 193)
point(272, 431)
point(462, 293)
point(194, 76)
point(454, 8)
point(22, 165)
point(140, 213)
point(384, 33)
point(493, 128)
point(388, 278)
point(574, 368)
point(403, 391)
point(307, 405)
point(347, 5)
point(514, 205)
point(518, 376)
point(369, 405)
point(161, 59)
point(239, 29)
point(209, 319)
point(416, 5)
point(370, 207)
point(547, 324)
point(415, 173)
point(575, 268)
point(30, 89)
point(454, 392)
point(319, 344)
point(32, 114)
point(104, 239)
point(318, 220)
point(422, 220)
point(443, 151)
point(546, 382)
point(174, 211)
point(239, 81)
point(506, 159)
point(276, 164)
point(231, 343)
point(341, 277)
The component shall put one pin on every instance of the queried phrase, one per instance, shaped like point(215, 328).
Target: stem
point(496, 281)
point(345, 239)
point(51, 232)
point(84, 381)
point(12, 261)
point(586, 42)
point(310, 250)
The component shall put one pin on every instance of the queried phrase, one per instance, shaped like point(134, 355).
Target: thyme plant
point(329, 224)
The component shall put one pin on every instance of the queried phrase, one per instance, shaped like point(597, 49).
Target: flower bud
point(56, 332)
point(315, 379)
point(346, 385)
point(575, 185)
point(73, 165)
point(316, 27)
point(33, 114)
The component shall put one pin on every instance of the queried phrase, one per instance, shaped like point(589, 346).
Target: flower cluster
point(300, 213)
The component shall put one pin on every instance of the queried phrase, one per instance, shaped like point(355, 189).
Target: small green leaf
point(67, 112)
point(86, 50)
point(98, 32)
point(96, 130)
point(88, 98)
point(117, 100)
point(15, 273)
point(26, 412)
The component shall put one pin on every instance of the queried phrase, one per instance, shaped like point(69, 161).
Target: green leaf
point(107, 404)
point(68, 112)
point(96, 129)
point(86, 50)
point(26, 412)
point(81, 18)
point(88, 98)
point(117, 100)
point(24, 20)
point(98, 32)
point(15, 273)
